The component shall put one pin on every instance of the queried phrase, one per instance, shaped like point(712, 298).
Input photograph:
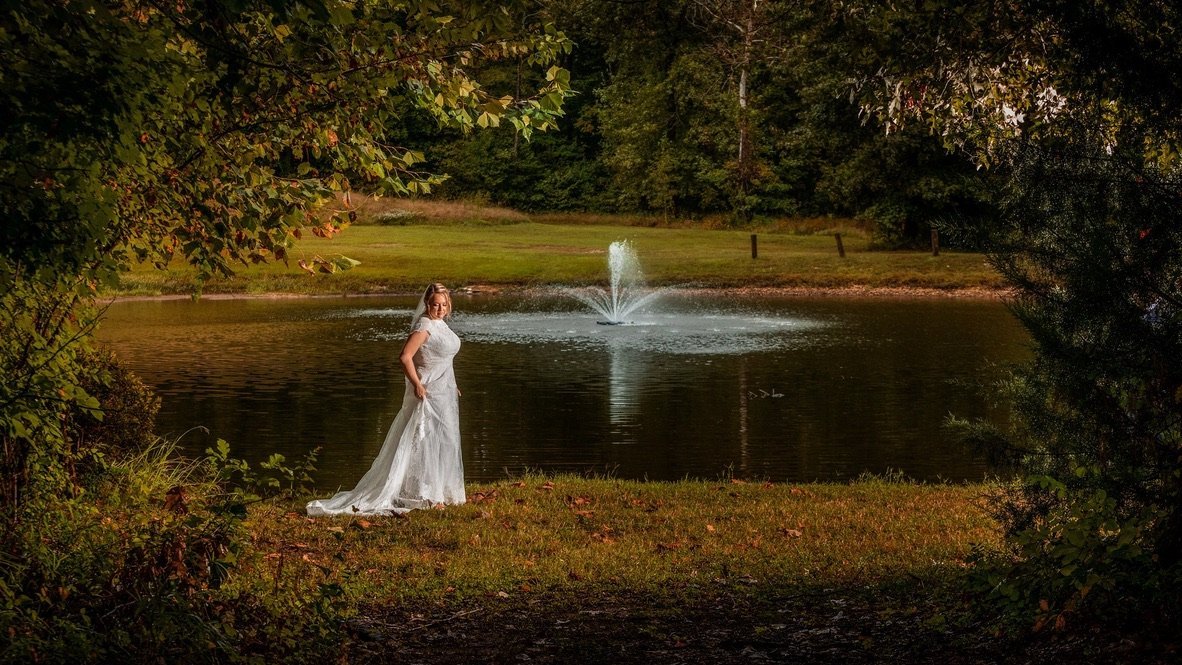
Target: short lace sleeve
point(425, 325)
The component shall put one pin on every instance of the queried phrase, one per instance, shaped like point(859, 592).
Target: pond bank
point(850, 291)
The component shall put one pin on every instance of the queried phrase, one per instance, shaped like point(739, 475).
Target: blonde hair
point(437, 288)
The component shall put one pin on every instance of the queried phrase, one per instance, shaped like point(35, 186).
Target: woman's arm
point(407, 358)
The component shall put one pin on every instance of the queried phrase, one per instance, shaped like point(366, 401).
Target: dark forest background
point(703, 109)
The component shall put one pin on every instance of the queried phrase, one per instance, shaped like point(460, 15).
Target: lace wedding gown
point(419, 464)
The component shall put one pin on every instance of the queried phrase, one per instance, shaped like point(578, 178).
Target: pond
point(701, 386)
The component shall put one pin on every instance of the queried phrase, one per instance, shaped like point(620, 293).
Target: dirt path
point(817, 626)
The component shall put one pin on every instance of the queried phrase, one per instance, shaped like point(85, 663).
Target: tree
point(746, 34)
point(1069, 100)
point(215, 133)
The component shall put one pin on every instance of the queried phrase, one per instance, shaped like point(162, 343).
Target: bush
point(129, 406)
point(139, 564)
point(1090, 240)
point(1077, 555)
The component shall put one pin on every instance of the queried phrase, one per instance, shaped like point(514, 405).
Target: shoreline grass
point(463, 247)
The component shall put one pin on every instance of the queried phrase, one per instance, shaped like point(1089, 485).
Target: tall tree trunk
point(744, 165)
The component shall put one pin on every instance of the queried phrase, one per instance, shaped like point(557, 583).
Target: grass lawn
point(646, 568)
point(467, 248)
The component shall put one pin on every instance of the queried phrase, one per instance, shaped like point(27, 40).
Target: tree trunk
point(744, 165)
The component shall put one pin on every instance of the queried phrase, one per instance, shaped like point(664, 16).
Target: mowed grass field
point(569, 534)
point(468, 248)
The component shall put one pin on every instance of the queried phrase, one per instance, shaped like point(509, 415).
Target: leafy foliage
point(1063, 98)
point(216, 133)
point(127, 406)
point(213, 131)
point(42, 332)
point(140, 567)
point(658, 121)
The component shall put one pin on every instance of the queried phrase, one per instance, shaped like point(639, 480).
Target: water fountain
point(626, 293)
point(685, 323)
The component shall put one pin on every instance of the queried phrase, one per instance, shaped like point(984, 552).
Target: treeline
point(722, 109)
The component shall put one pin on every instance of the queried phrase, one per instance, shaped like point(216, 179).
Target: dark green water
point(779, 389)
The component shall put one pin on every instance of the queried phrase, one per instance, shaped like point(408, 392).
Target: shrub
point(128, 405)
point(139, 564)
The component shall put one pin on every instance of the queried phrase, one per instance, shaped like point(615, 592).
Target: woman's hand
point(420, 391)
point(459, 393)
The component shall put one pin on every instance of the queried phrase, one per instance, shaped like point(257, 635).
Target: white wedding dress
point(419, 464)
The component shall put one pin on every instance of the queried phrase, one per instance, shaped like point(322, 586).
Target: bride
point(419, 464)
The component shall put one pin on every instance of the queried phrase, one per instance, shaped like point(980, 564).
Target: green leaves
point(211, 141)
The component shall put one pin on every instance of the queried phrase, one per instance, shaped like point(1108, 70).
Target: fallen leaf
point(361, 524)
point(176, 500)
point(483, 497)
point(520, 483)
point(502, 594)
point(710, 528)
point(736, 481)
point(547, 486)
point(526, 588)
point(335, 529)
point(791, 533)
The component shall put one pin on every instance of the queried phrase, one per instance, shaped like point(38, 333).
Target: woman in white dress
point(419, 464)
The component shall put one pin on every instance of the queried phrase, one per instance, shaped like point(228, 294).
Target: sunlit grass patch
point(400, 258)
point(568, 534)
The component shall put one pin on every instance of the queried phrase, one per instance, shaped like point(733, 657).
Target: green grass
point(402, 258)
point(570, 535)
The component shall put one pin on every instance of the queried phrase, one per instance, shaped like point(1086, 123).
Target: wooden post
point(754, 246)
point(840, 247)
point(935, 242)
